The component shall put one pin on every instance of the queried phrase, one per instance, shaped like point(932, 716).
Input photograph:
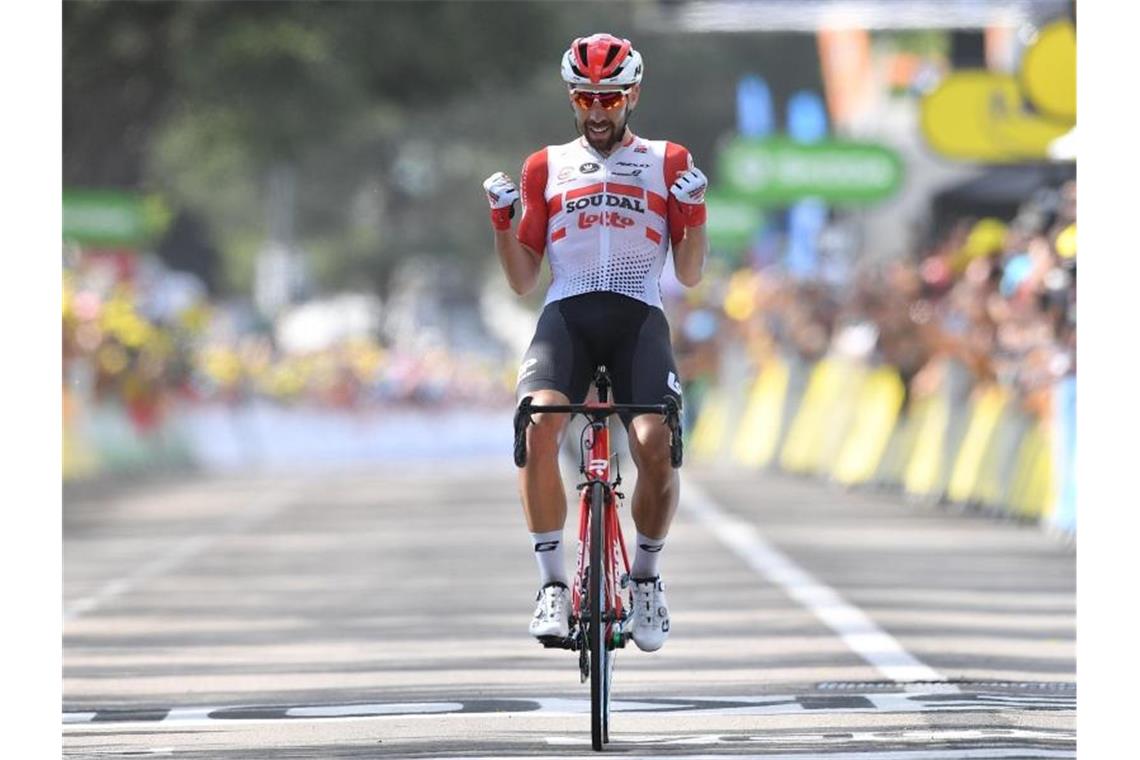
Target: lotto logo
point(606, 219)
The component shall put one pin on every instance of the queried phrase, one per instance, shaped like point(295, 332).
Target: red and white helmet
point(601, 59)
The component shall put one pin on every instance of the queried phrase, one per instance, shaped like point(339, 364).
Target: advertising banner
point(778, 170)
point(979, 116)
point(108, 217)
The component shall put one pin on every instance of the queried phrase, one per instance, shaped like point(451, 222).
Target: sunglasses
point(609, 99)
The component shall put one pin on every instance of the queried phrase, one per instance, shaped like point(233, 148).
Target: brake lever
point(673, 420)
point(522, 420)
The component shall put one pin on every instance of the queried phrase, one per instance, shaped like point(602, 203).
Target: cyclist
point(607, 207)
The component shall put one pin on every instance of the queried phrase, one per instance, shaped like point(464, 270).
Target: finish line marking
point(791, 704)
point(859, 632)
point(923, 737)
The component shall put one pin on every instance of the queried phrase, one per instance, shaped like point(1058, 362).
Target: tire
point(599, 656)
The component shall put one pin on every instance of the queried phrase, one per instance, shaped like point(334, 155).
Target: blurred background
point(276, 249)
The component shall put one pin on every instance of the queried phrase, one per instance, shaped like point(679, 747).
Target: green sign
point(778, 170)
point(107, 217)
point(732, 221)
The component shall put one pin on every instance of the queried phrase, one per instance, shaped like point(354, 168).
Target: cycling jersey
point(607, 221)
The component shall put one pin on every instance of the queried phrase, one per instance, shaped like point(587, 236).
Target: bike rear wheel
point(599, 655)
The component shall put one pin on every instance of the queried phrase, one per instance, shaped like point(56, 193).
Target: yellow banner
point(1049, 72)
point(980, 115)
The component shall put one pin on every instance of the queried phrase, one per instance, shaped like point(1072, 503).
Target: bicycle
point(601, 598)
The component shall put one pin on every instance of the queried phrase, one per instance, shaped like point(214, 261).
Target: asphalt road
point(383, 613)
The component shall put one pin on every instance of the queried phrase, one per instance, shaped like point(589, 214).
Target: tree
point(199, 100)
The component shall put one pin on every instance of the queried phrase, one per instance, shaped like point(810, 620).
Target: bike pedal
point(556, 642)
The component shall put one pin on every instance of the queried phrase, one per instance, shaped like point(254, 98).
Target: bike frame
point(597, 470)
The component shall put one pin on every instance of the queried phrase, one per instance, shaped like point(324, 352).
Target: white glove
point(690, 187)
point(501, 191)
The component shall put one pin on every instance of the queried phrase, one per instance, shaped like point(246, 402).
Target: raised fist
point(690, 187)
point(501, 191)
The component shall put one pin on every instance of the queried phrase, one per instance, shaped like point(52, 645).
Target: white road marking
point(159, 565)
point(896, 703)
point(187, 714)
point(983, 753)
point(859, 632)
point(564, 706)
point(839, 736)
point(361, 711)
point(264, 507)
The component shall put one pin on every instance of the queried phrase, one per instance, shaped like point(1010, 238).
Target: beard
point(604, 145)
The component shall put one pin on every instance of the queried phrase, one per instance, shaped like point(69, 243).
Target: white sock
point(548, 554)
point(645, 557)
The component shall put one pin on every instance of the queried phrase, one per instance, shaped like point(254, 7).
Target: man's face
point(603, 127)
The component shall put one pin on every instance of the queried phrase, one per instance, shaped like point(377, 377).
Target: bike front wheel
point(596, 590)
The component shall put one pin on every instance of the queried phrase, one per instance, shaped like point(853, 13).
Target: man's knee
point(544, 436)
point(649, 443)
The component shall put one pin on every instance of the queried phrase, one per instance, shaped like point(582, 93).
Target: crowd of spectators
point(352, 373)
point(121, 348)
point(985, 301)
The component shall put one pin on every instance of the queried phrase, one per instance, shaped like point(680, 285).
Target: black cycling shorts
point(574, 335)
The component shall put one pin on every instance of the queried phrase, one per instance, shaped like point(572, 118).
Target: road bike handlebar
point(669, 410)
